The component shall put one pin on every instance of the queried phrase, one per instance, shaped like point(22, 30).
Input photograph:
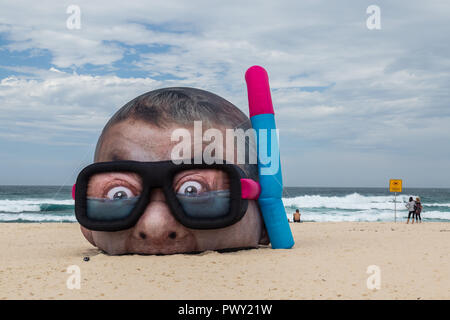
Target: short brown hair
point(183, 106)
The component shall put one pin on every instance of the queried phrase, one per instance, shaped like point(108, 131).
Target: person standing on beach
point(410, 206)
point(418, 210)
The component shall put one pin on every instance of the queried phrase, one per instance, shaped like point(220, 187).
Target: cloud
point(336, 85)
point(49, 106)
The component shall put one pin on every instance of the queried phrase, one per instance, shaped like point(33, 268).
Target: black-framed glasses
point(111, 196)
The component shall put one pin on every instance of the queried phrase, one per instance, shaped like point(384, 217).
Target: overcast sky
point(355, 107)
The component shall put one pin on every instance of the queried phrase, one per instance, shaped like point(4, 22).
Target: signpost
point(395, 185)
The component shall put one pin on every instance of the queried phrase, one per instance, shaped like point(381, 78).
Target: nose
point(157, 231)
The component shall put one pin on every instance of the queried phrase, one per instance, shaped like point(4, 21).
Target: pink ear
point(250, 189)
point(73, 191)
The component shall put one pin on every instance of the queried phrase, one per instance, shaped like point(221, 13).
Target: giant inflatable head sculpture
point(138, 198)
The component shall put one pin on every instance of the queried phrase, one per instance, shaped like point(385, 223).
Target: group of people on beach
point(414, 210)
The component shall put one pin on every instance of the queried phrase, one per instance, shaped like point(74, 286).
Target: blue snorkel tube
point(262, 117)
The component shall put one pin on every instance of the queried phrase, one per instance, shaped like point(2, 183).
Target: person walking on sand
point(418, 210)
point(297, 216)
point(410, 206)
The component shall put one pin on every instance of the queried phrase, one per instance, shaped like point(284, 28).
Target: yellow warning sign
point(395, 185)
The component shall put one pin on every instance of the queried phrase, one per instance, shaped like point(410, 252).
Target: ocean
point(55, 204)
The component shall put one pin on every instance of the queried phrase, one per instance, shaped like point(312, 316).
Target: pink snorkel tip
point(259, 91)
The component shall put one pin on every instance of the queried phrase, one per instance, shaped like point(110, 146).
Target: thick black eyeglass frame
point(159, 175)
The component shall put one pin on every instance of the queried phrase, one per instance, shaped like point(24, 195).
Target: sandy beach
point(329, 261)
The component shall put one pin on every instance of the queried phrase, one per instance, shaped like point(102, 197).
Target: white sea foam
point(353, 201)
point(29, 205)
point(35, 217)
point(356, 207)
point(437, 205)
point(367, 216)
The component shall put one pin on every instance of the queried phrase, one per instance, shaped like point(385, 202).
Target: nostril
point(172, 235)
point(142, 235)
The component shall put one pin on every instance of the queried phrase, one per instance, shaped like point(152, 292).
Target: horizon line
point(340, 187)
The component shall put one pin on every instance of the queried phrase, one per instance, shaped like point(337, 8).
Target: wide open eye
point(119, 193)
point(190, 188)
